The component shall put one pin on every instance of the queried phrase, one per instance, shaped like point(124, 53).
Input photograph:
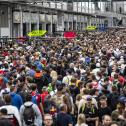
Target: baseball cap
point(89, 98)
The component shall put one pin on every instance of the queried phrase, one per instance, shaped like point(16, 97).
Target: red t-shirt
point(43, 95)
point(121, 79)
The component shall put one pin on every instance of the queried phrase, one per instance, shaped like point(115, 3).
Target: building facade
point(18, 19)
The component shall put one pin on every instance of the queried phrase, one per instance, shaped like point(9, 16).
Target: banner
point(91, 28)
point(37, 33)
point(70, 35)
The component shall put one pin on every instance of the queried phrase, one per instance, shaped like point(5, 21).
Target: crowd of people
point(65, 82)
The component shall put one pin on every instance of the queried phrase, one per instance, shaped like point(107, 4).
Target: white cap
point(11, 64)
point(1, 63)
point(98, 65)
point(117, 50)
point(121, 57)
point(6, 62)
point(112, 57)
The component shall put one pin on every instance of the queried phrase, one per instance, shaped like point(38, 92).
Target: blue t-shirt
point(16, 100)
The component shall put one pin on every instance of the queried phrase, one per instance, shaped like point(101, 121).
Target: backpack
point(12, 119)
point(29, 115)
point(58, 100)
point(115, 83)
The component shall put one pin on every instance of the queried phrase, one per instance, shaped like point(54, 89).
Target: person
point(3, 112)
point(103, 109)
point(48, 120)
point(6, 90)
point(73, 89)
point(38, 79)
point(64, 119)
point(120, 109)
point(106, 120)
point(44, 94)
point(58, 97)
point(113, 98)
point(90, 59)
point(3, 120)
point(11, 110)
point(36, 97)
point(90, 111)
point(114, 116)
point(16, 99)
point(85, 95)
point(2, 103)
point(114, 124)
point(30, 113)
point(68, 77)
point(81, 121)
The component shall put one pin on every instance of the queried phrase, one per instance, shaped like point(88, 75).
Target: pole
point(21, 23)
point(38, 21)
point(81, 6)
point(30, 22)
point(88, 5)
point(91, 7)
point(111, 3)
point(100, 6)
point(77, 5)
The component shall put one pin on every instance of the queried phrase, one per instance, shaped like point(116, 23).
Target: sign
point(16, 17)
point(37, 33)
point(91, 28)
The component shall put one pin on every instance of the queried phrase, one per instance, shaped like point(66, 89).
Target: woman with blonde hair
point(81, 121)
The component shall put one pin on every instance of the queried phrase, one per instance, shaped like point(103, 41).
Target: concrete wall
point(3, 16)
point(4, 21)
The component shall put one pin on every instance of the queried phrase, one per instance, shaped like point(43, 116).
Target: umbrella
point(69, 35)
point(37, 33)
